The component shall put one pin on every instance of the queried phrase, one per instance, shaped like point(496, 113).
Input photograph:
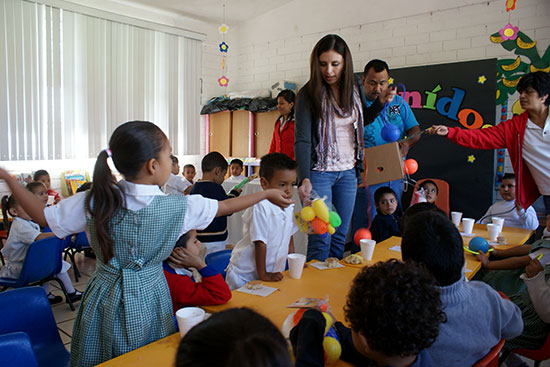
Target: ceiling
point(236, 11)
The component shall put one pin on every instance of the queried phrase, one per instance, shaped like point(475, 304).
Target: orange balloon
point(318, 226)
point(410, 166)
point(361, 234)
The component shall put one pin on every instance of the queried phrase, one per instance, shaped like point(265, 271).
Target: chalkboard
point(462, 95)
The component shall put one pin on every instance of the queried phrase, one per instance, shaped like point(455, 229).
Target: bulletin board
point(461, 95)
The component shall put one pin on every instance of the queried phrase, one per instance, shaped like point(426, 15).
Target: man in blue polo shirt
point(375, 81)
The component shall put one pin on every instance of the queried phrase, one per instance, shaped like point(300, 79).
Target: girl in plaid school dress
point(133, 227)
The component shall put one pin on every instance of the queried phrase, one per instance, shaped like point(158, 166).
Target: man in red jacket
point(527, 138)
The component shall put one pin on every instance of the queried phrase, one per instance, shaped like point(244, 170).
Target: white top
point(512, 218)
point(176, 185)
point(22, 234)
point(69, 215)
point(539, 292)
point(345, 140)
point(238, 178)
point(536, 153)
point(273, 226)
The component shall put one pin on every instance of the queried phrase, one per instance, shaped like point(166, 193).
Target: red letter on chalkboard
point(463, 118)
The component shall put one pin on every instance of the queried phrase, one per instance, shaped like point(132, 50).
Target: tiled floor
point(65, 318)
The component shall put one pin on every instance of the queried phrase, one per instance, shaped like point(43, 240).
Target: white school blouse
point(273, 226)
point(22, 234)
point(69, 215)
point(175, 185)
point(536, 153)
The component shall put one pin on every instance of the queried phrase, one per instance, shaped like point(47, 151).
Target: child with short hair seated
point(21, 234)
point(386, 223)
point(43, 176)
point(39, 190)
point(477, 316)
point(430, 190)
point(238, 337)
point(214, 168)
point(175, 184)
point(236, 168)
point(268, 230)
point(513, 214)
point(185, 288)
point(394, 312)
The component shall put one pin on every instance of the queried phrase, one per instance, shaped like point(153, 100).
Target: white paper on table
point(466, 270)
point(467, 234)
point(395, 248)
point(323, 266)
point(262, 292)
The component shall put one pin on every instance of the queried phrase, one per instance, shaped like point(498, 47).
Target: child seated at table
point(238, 337)
point(477, 316)
point(430, 191)
point(394, 312)
point(185, 288)
point(513, 214)
point(236, 168)
point(214, 168)
point(268, 230)
point(174, 184)
point(386, 222)
point(43, 176)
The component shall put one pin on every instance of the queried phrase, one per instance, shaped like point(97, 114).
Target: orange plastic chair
point(491, 359)
point(442, 201)
point(537, 355)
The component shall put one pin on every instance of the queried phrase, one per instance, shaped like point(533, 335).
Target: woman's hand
point(440, 130)
point(183, 258)
point(278, 198)
point(533, 268)
point(304, 191)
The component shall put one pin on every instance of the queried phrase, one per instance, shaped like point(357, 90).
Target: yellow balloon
point(328, 320)
point(321, 210)
point(332, 348)
point(330, 229)
point(307, 214)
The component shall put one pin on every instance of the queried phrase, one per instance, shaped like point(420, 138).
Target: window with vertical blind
point(68, 79)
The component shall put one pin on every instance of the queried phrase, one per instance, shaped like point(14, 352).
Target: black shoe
point(75, 296)
point(54, 299)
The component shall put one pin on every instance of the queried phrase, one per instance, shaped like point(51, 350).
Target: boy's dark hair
point(418, 208)
point(174, 159)
point(378, 66)
point(275, 161)
point(188, 166)
point(182, 241)
point(430, 182)
point(8, 202)
point(39, 173)
point(85, 186)
point(31, 186)
point(239, 337)
point(432, 239)
point(396, 307)
point(237, 161)
point(381, 191)
point(508, 176)
point(539, 81)
point(213, 160)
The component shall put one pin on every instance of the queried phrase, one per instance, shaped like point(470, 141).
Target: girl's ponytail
point(8, 202)
point(107, 201)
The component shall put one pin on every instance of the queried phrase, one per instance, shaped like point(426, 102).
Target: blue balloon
point(390, 133)
point(478, 244)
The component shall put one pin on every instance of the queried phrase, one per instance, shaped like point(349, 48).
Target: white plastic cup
point(296, 265)
point(468, 225)
point(367, 248)
point(499, 222)
point(51, 200)
point(456, 217)
point(188, 317)
point(492, 231)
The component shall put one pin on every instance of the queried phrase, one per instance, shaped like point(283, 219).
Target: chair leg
point(65, 293)
point(71, 254)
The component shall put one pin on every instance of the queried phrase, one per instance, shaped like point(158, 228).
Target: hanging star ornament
point(471, 158)
point(223, 28)
point(224, 47)
point(223, 81)
point(481, 79)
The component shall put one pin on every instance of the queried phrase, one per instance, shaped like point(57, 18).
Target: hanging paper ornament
point(223, 47)
point(510, 5)
point(509, 32)
point(223, 28)
point(223, 81)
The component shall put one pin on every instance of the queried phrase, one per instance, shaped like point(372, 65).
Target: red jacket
point(283, 141)
point(213, 290)
point(508, 134)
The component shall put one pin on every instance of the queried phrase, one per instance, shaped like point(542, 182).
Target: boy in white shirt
point(175, 184)
point(268, 229)
point(513, 214)
point(236, 168)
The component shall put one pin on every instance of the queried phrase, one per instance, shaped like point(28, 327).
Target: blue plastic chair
point(42, 264)
point(219, 260)
point(27, 310)
point(72, 248)
point(16, 350)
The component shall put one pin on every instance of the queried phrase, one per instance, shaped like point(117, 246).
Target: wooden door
point(263, 131)
point(220, 133)
point(239, 134)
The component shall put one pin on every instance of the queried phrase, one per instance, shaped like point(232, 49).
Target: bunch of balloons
point(317, 218)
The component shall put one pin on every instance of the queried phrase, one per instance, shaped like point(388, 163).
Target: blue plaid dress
point(126, 303)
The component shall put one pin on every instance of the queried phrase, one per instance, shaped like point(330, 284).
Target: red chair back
point(491, 359)
point(541, 354)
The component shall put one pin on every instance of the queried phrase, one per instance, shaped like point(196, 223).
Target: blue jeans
point(339, 188)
